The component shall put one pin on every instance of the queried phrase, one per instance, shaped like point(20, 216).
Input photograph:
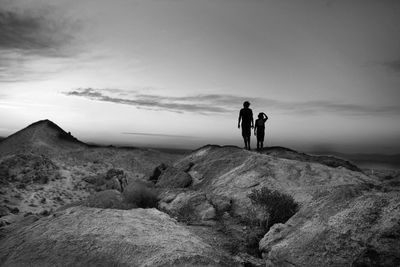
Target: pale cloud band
point(225, 103)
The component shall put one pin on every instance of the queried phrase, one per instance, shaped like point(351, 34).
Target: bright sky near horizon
point(174, 73)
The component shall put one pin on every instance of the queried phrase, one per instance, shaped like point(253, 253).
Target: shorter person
point(259, 129)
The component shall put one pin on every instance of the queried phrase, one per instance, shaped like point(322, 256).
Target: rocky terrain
point(43, 168)
point(69, 204)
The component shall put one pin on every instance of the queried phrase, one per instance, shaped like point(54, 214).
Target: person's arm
point(252, 122)
point(255, 129)
point(265, 116)
point(240, 117)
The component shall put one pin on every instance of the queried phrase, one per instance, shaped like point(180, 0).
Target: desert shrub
point(185, 213)
point(140, 195)
point(278, 207)
point(274, 207)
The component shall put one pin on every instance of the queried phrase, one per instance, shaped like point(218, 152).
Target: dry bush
point(278, 207)
point(275, 207)
point(140, 195)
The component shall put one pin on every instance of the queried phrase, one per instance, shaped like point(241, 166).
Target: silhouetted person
point(246, 116)
point(259, 129)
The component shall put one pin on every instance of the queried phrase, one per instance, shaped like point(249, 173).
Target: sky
point(175, 73)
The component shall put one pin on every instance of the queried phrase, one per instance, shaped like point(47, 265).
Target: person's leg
point(246, 132)
point(262, 145)
point(244, 137)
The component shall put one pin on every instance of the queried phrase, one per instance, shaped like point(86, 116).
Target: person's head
point(246, 104)
point(260, 115)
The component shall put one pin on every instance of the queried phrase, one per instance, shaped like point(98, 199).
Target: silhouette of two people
point(247, 123)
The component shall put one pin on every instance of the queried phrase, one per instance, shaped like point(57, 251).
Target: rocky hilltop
point(201, 209)
point(40, 137)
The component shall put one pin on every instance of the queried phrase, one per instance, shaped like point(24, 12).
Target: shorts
point(260, 135)
point(246, 131)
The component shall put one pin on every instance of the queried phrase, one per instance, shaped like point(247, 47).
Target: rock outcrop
point(350, 227)
point(81, 236)
point(188, 206)
point(112, 179)
point(345, 216)
point(173, 177)
point(233, 173)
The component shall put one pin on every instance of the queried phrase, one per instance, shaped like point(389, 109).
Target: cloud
point(393, 65)
point(35, 32)
point(199, 104)
point(29, 35)
point(227, 104)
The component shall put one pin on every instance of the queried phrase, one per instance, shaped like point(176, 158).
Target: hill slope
point(40, 137)
point(42, 167)
point(345, 217)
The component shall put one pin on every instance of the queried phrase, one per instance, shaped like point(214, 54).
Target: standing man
point(246, 116)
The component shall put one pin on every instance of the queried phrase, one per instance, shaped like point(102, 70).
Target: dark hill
point(43, 136)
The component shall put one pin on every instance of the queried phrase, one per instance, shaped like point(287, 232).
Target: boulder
point(189, 206)
point(82, 236)
point(113, 179)
point(157, 172)
point(350, 227)
point(116, 179)
point(174, 178)
point(220, 203)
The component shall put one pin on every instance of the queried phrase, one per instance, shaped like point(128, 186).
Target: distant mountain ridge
point(42, 136)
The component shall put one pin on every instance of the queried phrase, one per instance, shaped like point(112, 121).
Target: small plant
point(185, 214)
point(140, 195)
point(278, 207)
